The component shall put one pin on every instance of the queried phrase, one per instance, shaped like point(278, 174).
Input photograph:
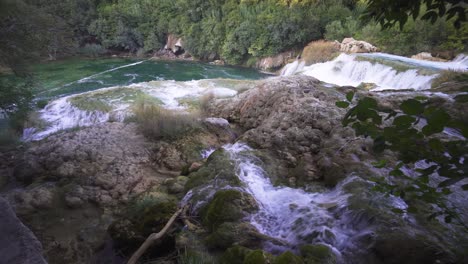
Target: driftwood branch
point(185, 219)
point(153, 237)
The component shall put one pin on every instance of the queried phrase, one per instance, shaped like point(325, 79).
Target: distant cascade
point(376, 68)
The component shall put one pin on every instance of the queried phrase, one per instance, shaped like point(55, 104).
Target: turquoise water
point(56, 79)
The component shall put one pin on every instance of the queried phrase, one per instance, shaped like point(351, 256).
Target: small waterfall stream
point(289, 214)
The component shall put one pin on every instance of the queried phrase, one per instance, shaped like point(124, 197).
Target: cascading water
point(377, 68)
point(292, 215)
point(63, 114)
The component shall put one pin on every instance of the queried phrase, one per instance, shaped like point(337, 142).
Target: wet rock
point(288, 258)
point(227, 206)
point(42, 198)
point(317, 254)
point(145, 215)
point(17, 243)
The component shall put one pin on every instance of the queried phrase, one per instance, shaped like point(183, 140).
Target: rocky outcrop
point(175, 44)
point(350, 45)
point(296, 118)
point(17, 243)
point(276, 62)
point(426, 56)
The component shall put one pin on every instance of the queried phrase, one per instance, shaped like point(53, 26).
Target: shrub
point(159, 123)
point(205, 102)
point(319, 51)
point(93, 50)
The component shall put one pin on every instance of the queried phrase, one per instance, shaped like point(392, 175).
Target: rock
point(318, 254)
point(148, 214)
point(293, 119)
point(426, 56)
point(288, 258)
point(194, 167)
point(175, 44)
point(275, 62)
point(42, 198)
point(350, 45)
point(217, 62)
point(17, 243)
point(227, 206)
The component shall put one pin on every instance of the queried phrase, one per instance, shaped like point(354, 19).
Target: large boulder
point(175, 44)
point(17, 243)
point(275, 62)
point(350, 45)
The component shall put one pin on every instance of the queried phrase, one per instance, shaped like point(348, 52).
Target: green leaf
point(350, 96)
point(379, 164)
point(412, 209)
point(431, 129)
point(435, 144)
point(404, 121)
point(412, 107)
point(342, 104)
point(438, 118)
point(464, 187)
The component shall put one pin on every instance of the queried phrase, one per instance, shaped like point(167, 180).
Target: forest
point(232, 30)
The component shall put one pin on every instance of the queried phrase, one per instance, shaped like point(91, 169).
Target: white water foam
point(291, 215)
point(60, 114)
point(347, 70)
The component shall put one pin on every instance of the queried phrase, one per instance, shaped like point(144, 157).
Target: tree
point(390, 12)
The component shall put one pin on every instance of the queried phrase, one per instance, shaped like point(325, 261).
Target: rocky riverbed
point(92, 195)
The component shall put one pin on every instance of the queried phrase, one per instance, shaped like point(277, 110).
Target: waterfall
point(289, 214)
point(386, 71)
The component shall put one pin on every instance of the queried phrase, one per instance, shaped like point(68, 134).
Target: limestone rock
point(17, 243)
point(426, 56)
point(275, 62)
point(350, 45)
point(175, 44)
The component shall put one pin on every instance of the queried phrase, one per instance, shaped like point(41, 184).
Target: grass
point(319, 51)
point(158, 123)
point(397, 66)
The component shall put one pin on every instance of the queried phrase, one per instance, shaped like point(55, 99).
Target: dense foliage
point(430, 143)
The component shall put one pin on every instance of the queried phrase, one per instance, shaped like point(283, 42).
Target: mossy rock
point(196, 257)
point(288, 258)
point(233, 233)
point(317, 254)
point(218, 165)
point(235, 255)
point(145, 215)
point(257, 257)
point(227, 206)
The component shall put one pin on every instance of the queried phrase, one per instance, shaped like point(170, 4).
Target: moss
point(235, 255)
point(225, 207)
point(195, 257)
point(256, 257)
point(288, 258)
point(90, 104)
point(144, 215)
point(218, 165)
point(317, 254)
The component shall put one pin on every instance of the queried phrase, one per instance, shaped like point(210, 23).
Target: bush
point(159, 123)
point(93, 50)
point(319, 51)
